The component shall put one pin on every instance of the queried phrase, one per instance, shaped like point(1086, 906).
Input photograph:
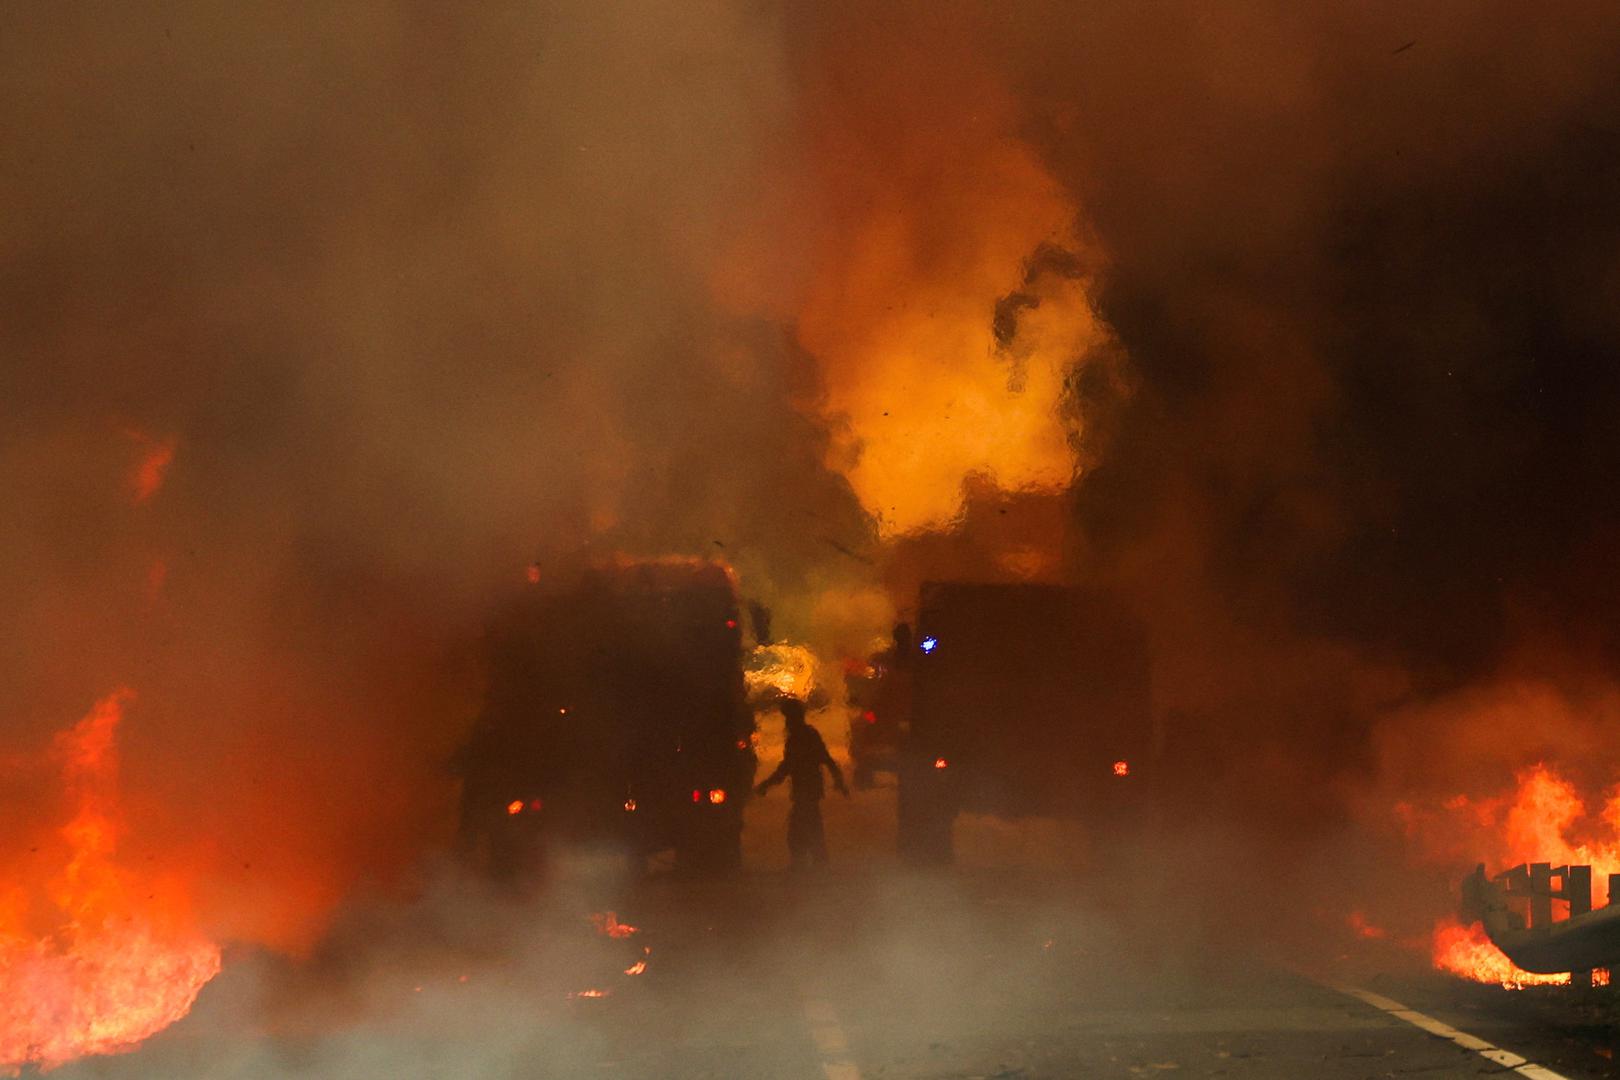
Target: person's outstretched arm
point(775, 778)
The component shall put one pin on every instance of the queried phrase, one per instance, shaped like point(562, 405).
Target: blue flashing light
point(929, 644)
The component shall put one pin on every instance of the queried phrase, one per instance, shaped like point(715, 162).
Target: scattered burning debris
point(608, 925)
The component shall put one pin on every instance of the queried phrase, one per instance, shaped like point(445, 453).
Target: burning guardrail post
point(1516, 909)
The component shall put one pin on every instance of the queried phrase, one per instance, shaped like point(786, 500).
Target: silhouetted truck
point(1026, 699)
point(614, 718)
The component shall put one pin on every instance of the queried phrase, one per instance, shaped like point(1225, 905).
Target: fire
point(1543, 820)
point(156, 457)
point(778, 671)
point(608, 925)
point(1357, 921)
point(118, 960)
point(940, 282)
point(1466, 951)
point(640, 965)
point(933, 386)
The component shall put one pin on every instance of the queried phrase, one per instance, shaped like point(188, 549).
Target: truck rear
point(1026, 699)
point(614, 717)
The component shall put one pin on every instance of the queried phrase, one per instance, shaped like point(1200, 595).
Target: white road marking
point(1506, 1058)
point(831, 1043)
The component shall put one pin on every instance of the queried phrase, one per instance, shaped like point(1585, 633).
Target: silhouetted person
point(802, 761)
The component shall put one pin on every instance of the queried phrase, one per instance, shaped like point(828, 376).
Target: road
point(1000, 967)
point(862, 971)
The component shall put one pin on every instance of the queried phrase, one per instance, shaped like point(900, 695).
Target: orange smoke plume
point(107, 958)
point(944, 287)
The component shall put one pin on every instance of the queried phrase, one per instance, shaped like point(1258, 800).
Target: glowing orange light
point(593, 992)
point(515, 806)
point(123, 963)
point(156, 457)
point(1467, 952)
point(630, 805)
point(1122, 768)
point(742, 744)
point(532, 573)
point(1357, 921)
point(640, 965)
point(1543, 819)
point(608, 925)
point(717, 796)
point(939, 763)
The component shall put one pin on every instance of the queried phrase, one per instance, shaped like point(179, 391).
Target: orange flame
point(940, 283)
point(1543, 821)
point(156, 458)
point(1466, 951)
point(1357, 921)
point(608, 925)
point(120, 961)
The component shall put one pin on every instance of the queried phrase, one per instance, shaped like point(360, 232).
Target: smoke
point(403, 301)
point(1293, 326)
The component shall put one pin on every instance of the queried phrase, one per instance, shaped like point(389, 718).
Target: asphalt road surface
point(864, 971)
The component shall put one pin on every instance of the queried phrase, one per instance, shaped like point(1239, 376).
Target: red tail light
point(697, 796)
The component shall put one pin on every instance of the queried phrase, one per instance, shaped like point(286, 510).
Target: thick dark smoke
point(419, 298)
point(422, 296)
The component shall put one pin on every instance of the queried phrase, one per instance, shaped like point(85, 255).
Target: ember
point(608, 925)
point(1357, 922)
point(156, 457)
point(119, 961)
